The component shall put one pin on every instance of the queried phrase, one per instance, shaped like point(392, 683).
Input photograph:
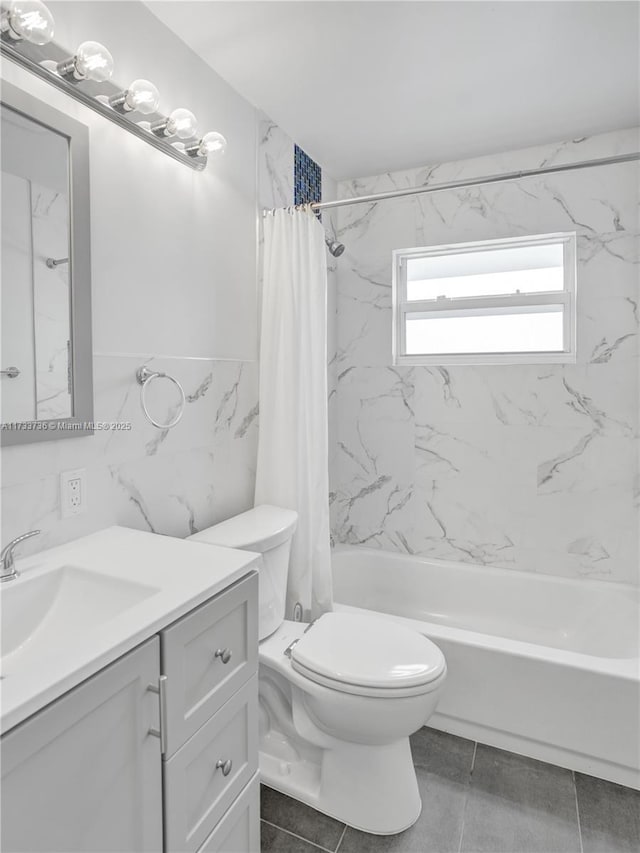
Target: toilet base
point(371, 788)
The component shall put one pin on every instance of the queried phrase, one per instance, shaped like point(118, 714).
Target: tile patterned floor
point(476, 799)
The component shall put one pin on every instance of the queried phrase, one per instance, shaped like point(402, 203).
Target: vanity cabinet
point(206, 775)
point(158, 751)
point(239, 829)
point(206, 657)
point(210, 665)
point(84, 774)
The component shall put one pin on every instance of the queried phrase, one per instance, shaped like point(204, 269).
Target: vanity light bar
point(86, 75)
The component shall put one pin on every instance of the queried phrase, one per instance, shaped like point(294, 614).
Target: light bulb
point(181, 123)
point(93, 62)
point(29, 20)
point(141, 96)
point(212, 143)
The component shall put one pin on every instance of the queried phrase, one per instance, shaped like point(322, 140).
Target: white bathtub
point(540, 665)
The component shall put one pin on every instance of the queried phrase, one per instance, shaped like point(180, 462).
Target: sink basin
point(78, 607)
point(43, 615)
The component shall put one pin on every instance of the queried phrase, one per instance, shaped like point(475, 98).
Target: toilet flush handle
point(289, 648)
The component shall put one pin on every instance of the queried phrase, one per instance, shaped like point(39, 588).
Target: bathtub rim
point(626, 668)
point(528, 577)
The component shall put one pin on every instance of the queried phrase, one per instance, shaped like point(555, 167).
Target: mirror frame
point(79, 273)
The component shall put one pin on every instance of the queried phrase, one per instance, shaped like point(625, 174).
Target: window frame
point(462, 306)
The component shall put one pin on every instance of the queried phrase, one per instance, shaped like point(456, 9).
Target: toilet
point(339, 696)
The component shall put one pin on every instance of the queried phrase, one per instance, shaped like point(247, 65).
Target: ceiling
point(368, 87)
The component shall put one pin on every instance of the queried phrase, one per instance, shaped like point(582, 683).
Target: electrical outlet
point(73, 492)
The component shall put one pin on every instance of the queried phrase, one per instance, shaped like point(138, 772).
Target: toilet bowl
point(339, 696)
point(348, 749)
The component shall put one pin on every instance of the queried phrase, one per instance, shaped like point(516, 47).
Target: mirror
point(45, 350)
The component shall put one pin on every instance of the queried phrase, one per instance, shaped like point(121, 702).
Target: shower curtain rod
point(474, 182)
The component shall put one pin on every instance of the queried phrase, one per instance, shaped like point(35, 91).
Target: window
point(494, 302)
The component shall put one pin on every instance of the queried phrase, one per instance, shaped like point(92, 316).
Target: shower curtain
point(292, 467)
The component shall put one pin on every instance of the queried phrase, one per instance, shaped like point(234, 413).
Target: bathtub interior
point(587, 617)
point(538, 665)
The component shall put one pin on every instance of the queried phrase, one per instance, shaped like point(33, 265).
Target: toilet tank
point(267, 530)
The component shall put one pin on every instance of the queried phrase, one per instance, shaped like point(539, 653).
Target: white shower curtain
point(293, 445)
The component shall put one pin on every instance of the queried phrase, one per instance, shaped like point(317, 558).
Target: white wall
point(165, 239)
point(529, 467)
point(173, 274)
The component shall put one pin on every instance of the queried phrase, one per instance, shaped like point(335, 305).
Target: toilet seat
point(367, 656)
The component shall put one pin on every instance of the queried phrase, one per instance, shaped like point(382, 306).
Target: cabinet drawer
point(239, 829)
point(197, 793)
point(199, 681)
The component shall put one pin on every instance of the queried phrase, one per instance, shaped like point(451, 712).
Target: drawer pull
point(225, 766)
point(224, 655)
point(161, 691)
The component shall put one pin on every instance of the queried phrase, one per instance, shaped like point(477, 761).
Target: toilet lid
point(367, 651)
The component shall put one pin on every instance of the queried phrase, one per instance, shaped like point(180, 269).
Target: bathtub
point(543, 666)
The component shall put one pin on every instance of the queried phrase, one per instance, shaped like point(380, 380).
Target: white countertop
point(182, 574)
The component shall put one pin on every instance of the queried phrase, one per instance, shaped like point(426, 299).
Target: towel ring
point(145, 377)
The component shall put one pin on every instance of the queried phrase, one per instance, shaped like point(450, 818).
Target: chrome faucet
point(9, 571)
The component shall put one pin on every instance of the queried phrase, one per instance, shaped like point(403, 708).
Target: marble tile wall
point(173, 482)
point(527, 467)
point(275, 165)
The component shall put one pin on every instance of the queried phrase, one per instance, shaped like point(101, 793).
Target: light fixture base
point(33, 57)
point(159, 127)
point(67, 67)
point(117, 102)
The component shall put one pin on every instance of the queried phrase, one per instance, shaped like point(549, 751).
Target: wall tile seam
point(150, 356)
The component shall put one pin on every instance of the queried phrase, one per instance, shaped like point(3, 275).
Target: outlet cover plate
point(73, 492)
